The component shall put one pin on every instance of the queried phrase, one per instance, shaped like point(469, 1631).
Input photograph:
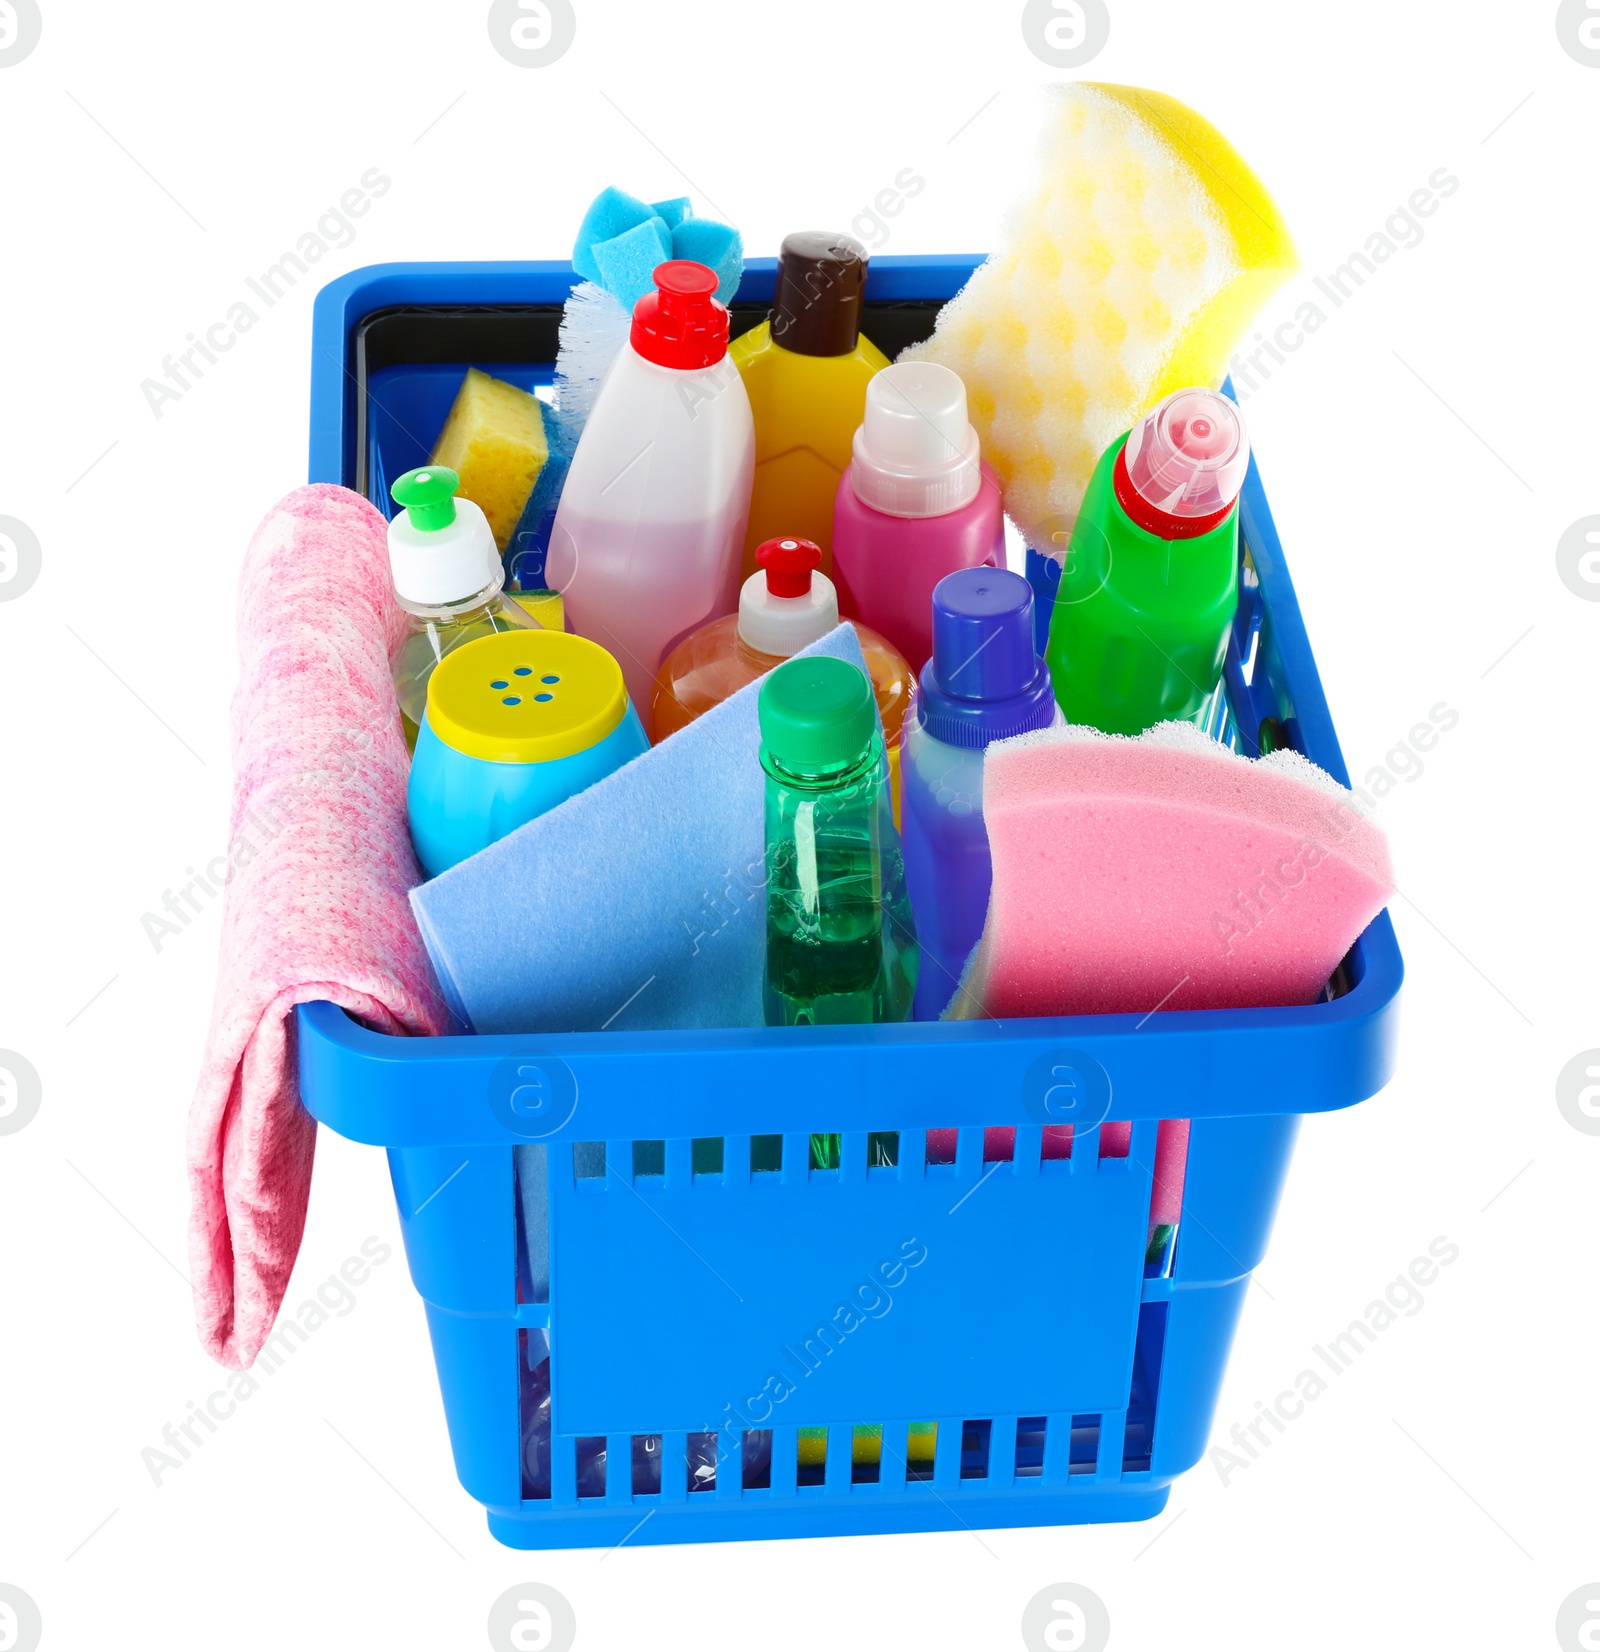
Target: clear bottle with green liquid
point(841, 944)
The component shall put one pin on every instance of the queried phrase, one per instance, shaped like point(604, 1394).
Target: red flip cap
point(681, 324)
point(789, 564)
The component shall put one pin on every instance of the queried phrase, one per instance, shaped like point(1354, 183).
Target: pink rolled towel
point(319, 864)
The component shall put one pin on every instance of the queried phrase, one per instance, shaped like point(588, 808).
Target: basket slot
point(938, 1147)
point(755, 1459)
point(811, 1455)
point(767, 1156)
point(589, 1463)
point(1027, 1457)
point(701, 1476)
point(646, 1454)
point(1084, 1437)
point(977, 1436)
point(717, 1157)
point(921, 1447)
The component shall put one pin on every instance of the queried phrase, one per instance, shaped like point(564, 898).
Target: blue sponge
point(673, 212)
point(713, 244)
point(612, 212)
point(627, 261)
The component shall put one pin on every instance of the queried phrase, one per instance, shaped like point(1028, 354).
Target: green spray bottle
point(1151, 577)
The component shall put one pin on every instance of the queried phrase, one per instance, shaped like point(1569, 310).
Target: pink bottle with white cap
point(917, 503)
point(1151, 578)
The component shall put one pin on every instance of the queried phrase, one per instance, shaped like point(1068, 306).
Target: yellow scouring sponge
point(494, 441)
point(1131, 270)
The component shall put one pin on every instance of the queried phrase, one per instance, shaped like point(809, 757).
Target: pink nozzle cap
point(1188, 457)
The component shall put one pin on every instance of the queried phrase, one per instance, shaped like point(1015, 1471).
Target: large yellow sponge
point(494, 441)
point(1131, 270)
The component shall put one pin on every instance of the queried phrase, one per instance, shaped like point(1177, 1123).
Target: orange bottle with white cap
point(786, 606)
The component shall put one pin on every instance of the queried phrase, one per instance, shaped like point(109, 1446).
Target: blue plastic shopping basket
point(983, 1340)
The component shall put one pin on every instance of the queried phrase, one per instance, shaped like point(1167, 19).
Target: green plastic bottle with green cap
point(841, 944)
point(449, 579)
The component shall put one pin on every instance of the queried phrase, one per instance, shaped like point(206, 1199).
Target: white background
point(1423, 454)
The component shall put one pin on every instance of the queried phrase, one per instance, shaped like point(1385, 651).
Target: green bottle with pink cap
point(1150, 583)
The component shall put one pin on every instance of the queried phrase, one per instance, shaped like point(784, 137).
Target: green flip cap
point(428, 496)
point(816, 714)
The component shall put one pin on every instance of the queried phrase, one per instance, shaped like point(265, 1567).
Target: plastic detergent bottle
point(984, 682)
point(449, 579)
point(515, 724)
point(650, 527)
point(806, 369)
point(1151, 577)
point(917, 503)
point(784, 607)
point(841, 946)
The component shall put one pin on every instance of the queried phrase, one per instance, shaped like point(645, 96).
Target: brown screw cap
point(816, 306)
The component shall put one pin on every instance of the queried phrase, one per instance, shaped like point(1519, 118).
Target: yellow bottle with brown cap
point(805, 370)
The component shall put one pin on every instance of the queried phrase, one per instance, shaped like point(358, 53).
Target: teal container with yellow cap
point(515, 724)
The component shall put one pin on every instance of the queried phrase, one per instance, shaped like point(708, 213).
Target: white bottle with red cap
point(650, 529)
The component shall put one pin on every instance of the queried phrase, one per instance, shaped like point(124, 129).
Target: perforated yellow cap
point(526, 696)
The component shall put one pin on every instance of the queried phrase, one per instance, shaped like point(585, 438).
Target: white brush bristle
point(594, 327)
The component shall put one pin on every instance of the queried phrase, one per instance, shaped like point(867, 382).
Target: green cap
point(429, 497)
point(816, 713)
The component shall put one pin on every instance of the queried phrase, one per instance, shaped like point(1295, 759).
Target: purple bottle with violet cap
point(984, 682)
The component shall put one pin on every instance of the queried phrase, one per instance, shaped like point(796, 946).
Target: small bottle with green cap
point(841, 946)
point(449, 579)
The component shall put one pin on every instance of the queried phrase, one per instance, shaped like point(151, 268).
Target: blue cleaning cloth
point(714, 245)
point(627, 261)
point(637, 904)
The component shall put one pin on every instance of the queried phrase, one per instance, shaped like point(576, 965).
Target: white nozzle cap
point(915, 454)
point(782, 626)
point(445, 565)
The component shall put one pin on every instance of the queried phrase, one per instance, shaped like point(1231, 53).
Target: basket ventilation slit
point(975, 1449)
point(1029, 1460)
point(646, 1465)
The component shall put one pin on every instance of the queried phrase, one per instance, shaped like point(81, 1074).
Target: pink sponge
point(1165, 872)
